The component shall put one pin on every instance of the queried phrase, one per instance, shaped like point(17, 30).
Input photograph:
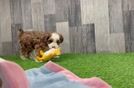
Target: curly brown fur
point(30, 41)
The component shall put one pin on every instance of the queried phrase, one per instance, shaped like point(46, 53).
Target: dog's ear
point(61, 38)
point(46, 36)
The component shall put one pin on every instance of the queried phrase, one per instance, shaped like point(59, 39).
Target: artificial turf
point(116, 69)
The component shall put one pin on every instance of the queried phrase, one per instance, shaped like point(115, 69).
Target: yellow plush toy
point(45, 56)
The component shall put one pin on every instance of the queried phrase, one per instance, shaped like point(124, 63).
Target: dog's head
point(53, 40)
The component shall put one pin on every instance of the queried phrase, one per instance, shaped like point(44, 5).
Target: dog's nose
point(53, 47)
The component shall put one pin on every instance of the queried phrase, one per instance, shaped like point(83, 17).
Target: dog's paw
point(23, 58)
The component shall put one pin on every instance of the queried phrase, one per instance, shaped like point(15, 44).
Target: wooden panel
point(0, 29)
point(16, 19)
point(72, 38)
point(15, 41)
point(74, 13)
point(82, 39)
point(0, 46)
point(75, 40)
point(117, 42)
point(116, 16)
point(62, 10)
point(1, 53)
point(26, 14)
point(16, 11)
point(5, 21)
point(132, 30)
point(126, 24)
point(50, 23)
point(132, 24)
point(87, 11)
point(7, 48)
point(49, 7)
point(38, 15)
point(90, 38)
point(63, 28)
point(101, 25)
point(131, 4)
point(132, 45)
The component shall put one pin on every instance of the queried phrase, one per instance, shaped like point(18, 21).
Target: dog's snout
point(53, 47)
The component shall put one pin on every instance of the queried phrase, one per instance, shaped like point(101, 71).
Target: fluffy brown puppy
point(34, 40)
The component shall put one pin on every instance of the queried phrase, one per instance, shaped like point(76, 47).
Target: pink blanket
point(93, 82)
point(13, 76)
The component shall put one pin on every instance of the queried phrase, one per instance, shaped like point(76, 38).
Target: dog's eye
point(58, 42)
point(50, 41)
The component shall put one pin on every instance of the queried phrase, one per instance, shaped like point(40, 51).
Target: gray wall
point(87, 25)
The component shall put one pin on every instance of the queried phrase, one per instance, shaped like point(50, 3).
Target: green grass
point(116, 69)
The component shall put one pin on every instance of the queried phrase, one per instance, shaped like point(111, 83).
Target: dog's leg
point(24, 54)
point(37, 50)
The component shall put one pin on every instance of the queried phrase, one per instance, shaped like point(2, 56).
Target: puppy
point(34, 40)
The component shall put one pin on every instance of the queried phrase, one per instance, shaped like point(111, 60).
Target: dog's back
point(30, 40)
point(30, 36)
